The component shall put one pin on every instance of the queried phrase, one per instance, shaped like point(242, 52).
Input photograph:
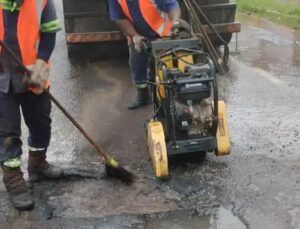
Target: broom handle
point(58, 104)
point(78, 126)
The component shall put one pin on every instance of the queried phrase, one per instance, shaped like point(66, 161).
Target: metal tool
point(199, 28)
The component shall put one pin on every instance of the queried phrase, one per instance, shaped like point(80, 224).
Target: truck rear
point(91, 34)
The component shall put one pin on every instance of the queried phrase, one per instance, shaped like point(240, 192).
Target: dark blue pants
point(138, 63)
point(36, 111)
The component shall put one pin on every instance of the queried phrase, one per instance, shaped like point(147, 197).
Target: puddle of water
point(220, 219)
point(262, 41)
point(224, 219)
point(270, 36)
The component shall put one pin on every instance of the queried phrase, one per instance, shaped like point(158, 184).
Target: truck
point(90, 33)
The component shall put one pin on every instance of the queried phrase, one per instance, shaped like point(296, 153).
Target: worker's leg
point(36, 110)
point(138, 65)
point(11, 151)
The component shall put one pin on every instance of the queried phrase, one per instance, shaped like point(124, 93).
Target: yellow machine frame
point(155, 132)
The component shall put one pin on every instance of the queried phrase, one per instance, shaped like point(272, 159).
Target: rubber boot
point(39, 169)
point(142, 99)
point(17, 188)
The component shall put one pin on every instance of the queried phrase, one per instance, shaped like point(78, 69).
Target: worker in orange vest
point(28, 27)
point(140, 19)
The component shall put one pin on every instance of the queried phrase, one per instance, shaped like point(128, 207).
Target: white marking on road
point(268, 76)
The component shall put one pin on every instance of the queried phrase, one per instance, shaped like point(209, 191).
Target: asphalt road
point(257, 186)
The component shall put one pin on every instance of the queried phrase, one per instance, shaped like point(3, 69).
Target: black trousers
point(36, 111)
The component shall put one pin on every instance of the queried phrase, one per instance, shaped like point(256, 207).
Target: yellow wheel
point(223, 137)
point(157, 149)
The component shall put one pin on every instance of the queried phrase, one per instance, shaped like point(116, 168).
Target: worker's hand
point(137, 41)
point(181, 29)
point(39, 77)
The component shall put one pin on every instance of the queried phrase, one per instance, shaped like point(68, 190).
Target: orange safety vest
point(28, 29)
point(156, 19)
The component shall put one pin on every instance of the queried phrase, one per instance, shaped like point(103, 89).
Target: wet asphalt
point(257, 186)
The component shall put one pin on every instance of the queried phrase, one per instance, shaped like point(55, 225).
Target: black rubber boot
point(142, 99)
point(39, 169)
point(17, 188)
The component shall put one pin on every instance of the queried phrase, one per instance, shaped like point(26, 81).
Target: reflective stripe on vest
point(156, 19)
point(28, 28)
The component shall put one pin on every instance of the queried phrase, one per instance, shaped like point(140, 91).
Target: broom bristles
point(113, 169)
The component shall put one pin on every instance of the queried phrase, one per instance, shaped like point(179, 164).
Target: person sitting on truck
point(28, 28)
point(139, 20)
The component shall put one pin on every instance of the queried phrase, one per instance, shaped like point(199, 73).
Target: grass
point(275, 10)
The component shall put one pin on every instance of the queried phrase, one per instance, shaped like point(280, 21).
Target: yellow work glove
point(38, 81)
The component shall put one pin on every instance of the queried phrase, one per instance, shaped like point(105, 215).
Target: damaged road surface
point(257, 186)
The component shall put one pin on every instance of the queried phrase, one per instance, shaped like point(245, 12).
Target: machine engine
point(193, 103)
point(194, 118)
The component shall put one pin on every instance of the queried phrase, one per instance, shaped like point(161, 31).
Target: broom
point(112, 167)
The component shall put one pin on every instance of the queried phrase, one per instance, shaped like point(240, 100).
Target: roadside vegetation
point(275, 10)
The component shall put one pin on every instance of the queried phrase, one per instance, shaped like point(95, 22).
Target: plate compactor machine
point(188, 117)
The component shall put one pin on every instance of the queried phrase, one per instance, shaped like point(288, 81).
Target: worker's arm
point(174, 14)
point(117, 15)
point(126, 27)
point(38, 81)
point(171, 7)
point(46, 46)
point(124, 24)
point(49, 25)
point(48, 28)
